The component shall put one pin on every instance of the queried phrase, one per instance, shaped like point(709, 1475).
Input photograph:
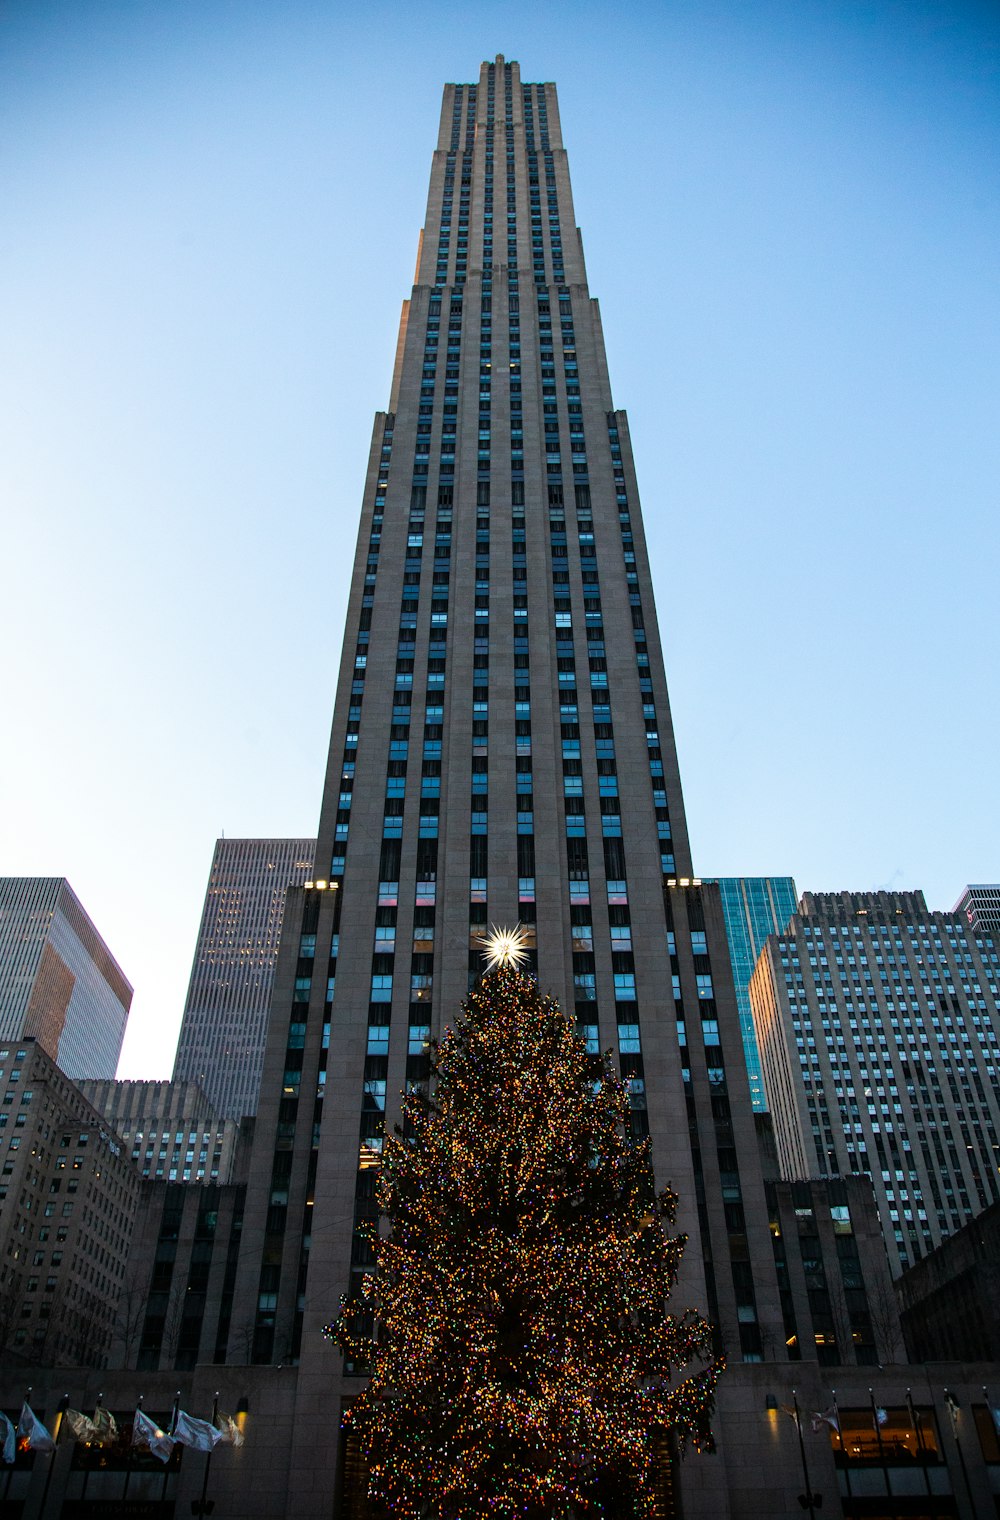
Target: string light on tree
point(525, 1363)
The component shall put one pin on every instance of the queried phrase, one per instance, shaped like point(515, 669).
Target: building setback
point(67, 1204)
point(753, 907)
point(878, 1023)
point(221, 1043)
point(169, 1129)
point(59, 982)
point(979, 905)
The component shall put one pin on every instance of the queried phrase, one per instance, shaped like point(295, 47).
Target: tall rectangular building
point(878, 1023)
point(502, 751)
point(221, 1043)
point(753, 907)
point(59, 982)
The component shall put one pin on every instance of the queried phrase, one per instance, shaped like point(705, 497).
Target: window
point(898, 1443)
point(987, 1432)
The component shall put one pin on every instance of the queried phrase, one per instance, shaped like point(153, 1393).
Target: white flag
point(230, 1432)
point(200, 1434)
point(825, 1417)
point(146, 1432)
point(9, 1438)
point(80, 1427)
point(31, 1429)
point(105, 1426)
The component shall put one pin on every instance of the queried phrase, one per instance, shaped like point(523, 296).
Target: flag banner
point(105, 1428)
point(9, 1435)
point(881, 1415)
point(996, 1419)
point(792, 1413)
point(31, 1429)
point(825, 1417)
point(80, 1427)
point(146, 1432)
point(199, 1434)
point(229, 1431)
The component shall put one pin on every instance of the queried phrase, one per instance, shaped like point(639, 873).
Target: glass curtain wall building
point(59, 982)
point(753, 907)
point(502, 751)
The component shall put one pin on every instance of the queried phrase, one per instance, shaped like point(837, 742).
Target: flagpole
point(10, 1470)
point(915, 1420)
point(809, 1496)
point(203, 1502)
point(62, 1407)
point(86, 1470)
point(953, 1407)
point(989, 1411)
point(173, 1422)
point(881, 1449)
point(131, 1449)
point(843, 1445)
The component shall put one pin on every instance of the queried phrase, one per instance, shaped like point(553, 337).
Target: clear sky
point(210, 212)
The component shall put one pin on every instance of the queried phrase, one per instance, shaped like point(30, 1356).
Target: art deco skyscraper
point(502, 751)
point(221, 1042)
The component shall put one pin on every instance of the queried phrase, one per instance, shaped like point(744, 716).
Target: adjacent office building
point(169, 1129)
point(59, 982)
point(221, 1044)
point(950, 1301)
point(176, 1305)
point(68, 1196)
point(753, 907)
point(878, 1023)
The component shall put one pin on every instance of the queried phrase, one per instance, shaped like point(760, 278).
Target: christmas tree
point(525, 1360)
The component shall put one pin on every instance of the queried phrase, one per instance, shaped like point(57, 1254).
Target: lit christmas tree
point(525, 1359)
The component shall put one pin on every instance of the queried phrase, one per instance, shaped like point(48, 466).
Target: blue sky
point(791, 218)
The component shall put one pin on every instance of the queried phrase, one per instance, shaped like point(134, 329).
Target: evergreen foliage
point(525, 1358)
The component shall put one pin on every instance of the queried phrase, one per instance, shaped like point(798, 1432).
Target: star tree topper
point(505, 947)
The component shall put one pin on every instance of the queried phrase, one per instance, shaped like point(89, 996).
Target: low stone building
point(934, 1454)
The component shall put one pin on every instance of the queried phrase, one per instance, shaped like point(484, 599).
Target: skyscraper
point(502, 751)
point(221, 1043)
point(59, 982)
point(878, 1023)
point(753, 907)
point(979, 905)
